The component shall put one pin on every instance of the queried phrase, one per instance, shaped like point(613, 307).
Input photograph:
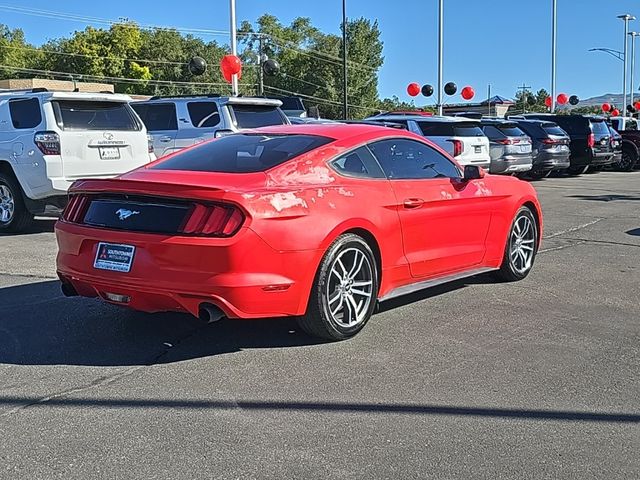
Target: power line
point(318, 99)
point(138, 81)
point(96, 20)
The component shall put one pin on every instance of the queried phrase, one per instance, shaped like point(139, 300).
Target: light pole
point(554, 40)
point(345, 103)
point(440, 52)
point(234, 44)
point(633, 64)
point(626, 18)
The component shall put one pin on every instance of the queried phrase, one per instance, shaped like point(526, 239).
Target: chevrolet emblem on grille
point(123, 213)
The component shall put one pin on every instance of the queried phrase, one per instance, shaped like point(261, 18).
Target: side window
point(436, 129)
point(203, 114)
point(407, 159)
point(25, 113)
point(358, 163)
point(158, 116)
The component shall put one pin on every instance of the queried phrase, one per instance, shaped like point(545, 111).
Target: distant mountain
point(613, 98)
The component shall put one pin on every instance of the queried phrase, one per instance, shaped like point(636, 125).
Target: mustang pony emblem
point(123, 213)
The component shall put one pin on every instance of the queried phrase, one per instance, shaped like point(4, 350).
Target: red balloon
point(637, 105)
point(615, 112)
point(413, 89)
point(562, 98)
point(606, 107)
point(547, 102)
point(468, 93)
point(231, 65)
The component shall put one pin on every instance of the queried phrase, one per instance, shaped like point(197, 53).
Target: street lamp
point(625, 18)
point(345, 103)
point(234, 44)
point(554, 38)
point(633, 63)
point(440, 51)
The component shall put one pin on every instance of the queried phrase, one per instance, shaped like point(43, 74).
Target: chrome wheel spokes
point(350, 287)
point(7, 204)
point(522, 244)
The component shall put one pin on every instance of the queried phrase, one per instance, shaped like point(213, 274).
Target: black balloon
point(631, 109)
point(270, 67)
point(427, 90)
point(197, 66)
point(574, 100)
point(531, 100)
point(450, 88)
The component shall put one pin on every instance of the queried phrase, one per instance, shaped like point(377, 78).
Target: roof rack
point(195, 95)
point(376, 123)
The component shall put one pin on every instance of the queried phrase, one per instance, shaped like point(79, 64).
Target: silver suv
point(50, 139)
point(462, 138)
point(181, 121)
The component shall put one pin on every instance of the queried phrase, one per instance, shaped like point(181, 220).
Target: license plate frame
point(477, 149)
point(109, 153)
point(114, 257)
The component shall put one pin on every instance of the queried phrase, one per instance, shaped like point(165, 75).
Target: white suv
point(50, 139)
point(462, 138)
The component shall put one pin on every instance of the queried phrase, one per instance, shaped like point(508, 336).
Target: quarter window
point(358, 163)
point(25, 113)
point(203, 114)
point(157, 116)
point(408, 159)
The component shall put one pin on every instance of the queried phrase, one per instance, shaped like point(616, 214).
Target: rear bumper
point(546, 161)
point(511, 164)
point(242, 275)
point(602, 159)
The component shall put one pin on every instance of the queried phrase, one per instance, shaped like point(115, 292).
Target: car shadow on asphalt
point(607, 198)
point(43, 225)
point(39, 326)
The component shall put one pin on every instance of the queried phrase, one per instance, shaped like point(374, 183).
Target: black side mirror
point(472, 172)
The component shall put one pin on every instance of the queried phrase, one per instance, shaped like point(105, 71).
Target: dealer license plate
point(109, 153)
point(114, 257)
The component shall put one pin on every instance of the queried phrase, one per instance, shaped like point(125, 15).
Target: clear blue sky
point(501, 42)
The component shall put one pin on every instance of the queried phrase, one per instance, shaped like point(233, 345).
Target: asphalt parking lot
point(539, 379)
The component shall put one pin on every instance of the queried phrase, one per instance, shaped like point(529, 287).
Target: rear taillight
point(76, 208)
point(458, 147)
point(591, 141)
point(508, 141)
point(149, 143)
point(47, 142)
point(214, 220)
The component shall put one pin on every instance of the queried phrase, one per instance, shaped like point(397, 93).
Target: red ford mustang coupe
point(315, 221)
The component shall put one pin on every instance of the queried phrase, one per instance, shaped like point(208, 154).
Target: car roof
point(89, 96)
point(424, 118)
point(261, 101)
point(497, 121)
point(534, 121)
point(337, 131)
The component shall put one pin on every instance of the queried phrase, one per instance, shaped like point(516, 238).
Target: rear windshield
point(600, 128)
point(157, 116)
point(553, 130)
point(450, 129)
point(511, 130)
point(256, 116)
point(243, 153)
point(83, 115)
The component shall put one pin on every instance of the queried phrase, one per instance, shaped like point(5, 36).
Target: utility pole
point(625, 18)
point(525, 90)
point(554, 49)
point(489, 98)
point(345, 102)
point(260, 60)
point(234, 43)
point(633, 65)
point(440, 52)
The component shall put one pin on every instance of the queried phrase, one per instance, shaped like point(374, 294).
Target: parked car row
point(531, 145)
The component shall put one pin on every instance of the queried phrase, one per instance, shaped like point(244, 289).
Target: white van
point(48, 140)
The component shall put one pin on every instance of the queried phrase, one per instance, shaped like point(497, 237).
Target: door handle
point(413, 203)
point(165, 139)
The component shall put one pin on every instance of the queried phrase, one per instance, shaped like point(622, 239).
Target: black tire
point(14, 216)
point(627, 161)
point(332, 285)
point(577, 170)
point(539, 174)
point(516, 269)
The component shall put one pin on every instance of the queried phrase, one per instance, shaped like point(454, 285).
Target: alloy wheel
point(522, 244)
point(349, 290)
point(7, 204)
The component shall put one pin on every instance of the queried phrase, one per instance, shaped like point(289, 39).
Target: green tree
point(16, 52)
point(532, 102)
